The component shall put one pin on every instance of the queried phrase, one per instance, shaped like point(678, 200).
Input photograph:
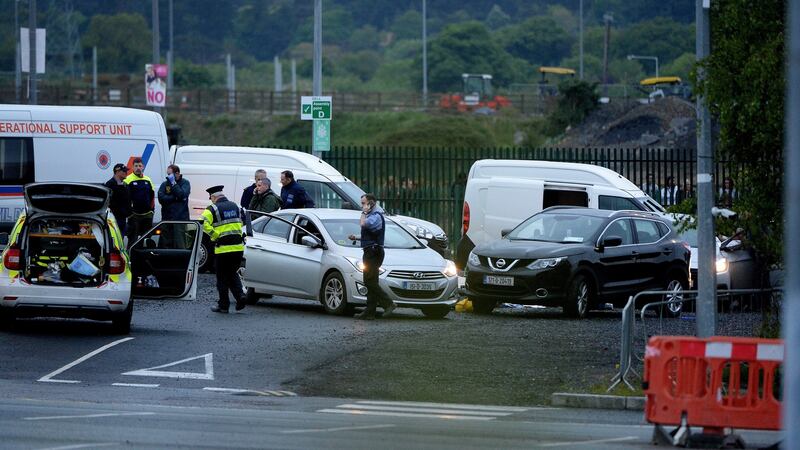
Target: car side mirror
point(3, 239)
point(348, 205)
point(612, 241)
point(424, 241)
point(309, 241)
point(504, 233)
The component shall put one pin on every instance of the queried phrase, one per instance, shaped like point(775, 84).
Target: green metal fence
point(428, 183)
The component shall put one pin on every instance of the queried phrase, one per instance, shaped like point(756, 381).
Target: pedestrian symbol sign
point(315, 108)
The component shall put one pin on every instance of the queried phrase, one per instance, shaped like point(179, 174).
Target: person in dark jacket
point(174, 195)
point(120, 203)
point(143, 201)
point(265, 199)
point(292, 194)
point(249, 191)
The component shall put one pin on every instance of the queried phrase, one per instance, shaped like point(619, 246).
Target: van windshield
point(561, 228)
point(351, 191)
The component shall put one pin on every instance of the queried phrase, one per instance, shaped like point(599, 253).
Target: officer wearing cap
point(120, 203)
point(222, 221)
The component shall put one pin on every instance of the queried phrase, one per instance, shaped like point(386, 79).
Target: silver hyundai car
point(306, 253)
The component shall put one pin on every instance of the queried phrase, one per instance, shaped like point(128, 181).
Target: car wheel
point(436, 311)
point(7, 318)
point(579, 297)
point(676, 284)
point(251, 297)
point(206, 255)
point(482, 305)
point(333, 294)
point(122, 322)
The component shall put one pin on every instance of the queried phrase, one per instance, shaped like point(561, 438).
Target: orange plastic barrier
point(717, 383)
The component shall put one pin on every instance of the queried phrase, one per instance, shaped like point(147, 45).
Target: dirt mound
point(667, 122)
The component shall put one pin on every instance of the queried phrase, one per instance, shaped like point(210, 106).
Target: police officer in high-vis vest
point(222, 221)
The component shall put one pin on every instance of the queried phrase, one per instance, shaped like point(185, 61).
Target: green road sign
point(322, 134)
point(321, 110)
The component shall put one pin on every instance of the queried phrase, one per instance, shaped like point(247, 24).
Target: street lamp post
point(424, 55)
point(654, 58)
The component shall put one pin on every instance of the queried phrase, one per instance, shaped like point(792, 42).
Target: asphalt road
point(283, 374)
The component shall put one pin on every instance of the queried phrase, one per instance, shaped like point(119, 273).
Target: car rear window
point(16, 161)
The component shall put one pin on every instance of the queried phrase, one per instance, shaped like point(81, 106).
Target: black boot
point(218, 309)
point(367, 314)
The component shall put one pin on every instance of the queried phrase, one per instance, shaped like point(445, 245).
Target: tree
point(659, 37)
point(745, 87)
point(123, 42)
point(189, 76)
point(682, 66)
point(465, 48)
point(408, 25)
point(576, 100)
point(539, 40)
point(497, 18)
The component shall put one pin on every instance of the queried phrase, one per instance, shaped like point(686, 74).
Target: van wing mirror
point(504, 232)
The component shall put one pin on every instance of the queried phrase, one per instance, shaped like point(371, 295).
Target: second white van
point(502, 193)
point(234, 167)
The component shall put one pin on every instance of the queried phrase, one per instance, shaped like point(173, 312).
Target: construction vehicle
point(477, 95)
point(547, 89)
point(660, 87)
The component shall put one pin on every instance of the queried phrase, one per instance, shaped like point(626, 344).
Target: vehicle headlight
point(722, 265)
point(359, 264)
point(473, 259)
point(450, 269)
point(545, 263)
point(420, 231)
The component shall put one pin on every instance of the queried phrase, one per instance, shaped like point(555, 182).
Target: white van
point(234, 167)
point(502, 193)
point(73, 143)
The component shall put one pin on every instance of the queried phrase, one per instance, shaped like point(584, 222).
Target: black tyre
point(7, 318)
point(122, 322)
point(206, 255)
point(333, 294)
point(676, 283)
point(251, 297)
point(436, 311)
point(580, 296)
point(482, 306)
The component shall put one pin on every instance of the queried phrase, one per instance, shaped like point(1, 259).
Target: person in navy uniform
point(292, 194)
point(120, 203)
point(373, 230)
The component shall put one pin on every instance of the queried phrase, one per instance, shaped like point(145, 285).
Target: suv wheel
point(675, 285)
point(579, 297)
point(482, 306)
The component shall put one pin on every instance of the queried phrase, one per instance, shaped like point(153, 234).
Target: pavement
point(284, 374)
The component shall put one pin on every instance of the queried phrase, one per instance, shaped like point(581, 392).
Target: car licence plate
point(498, 281)
point(418, 286)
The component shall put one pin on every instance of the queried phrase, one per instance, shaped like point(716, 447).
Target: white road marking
point(329, 430)
point(48, 378)
point(90, 416)
point(425, 410)
point(231, 390)
point(288, 393)
point(596, 441)
point(357, 412)
point(77, 446)
point(154, 372)
point(451, 406)
point(135, 385)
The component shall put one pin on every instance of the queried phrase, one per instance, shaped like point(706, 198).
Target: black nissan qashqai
point(578, 258)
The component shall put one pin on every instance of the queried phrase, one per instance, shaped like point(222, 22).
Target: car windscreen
point(562, 228)
point(396, 236)
point(352, 192)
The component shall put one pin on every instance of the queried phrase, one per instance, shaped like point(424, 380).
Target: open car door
point(164, 262)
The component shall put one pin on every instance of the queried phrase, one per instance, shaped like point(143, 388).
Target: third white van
point(500, 194)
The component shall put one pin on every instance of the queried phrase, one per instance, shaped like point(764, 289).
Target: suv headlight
point(545, 263)
point(473, 259)
point(722, 265)
point(359, 265)
point(450, 269)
